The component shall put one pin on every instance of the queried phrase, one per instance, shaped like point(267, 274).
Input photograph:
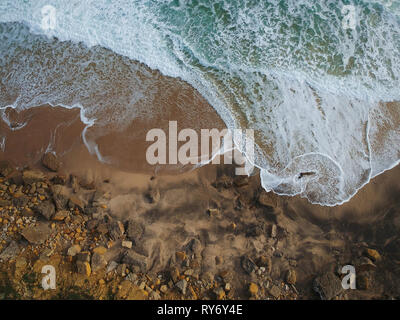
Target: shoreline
point(244, 237)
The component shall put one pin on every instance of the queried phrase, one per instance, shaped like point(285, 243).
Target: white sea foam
point(311, 90)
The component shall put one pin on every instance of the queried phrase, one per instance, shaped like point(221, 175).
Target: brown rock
point(328, 286)
point(46, 209)
point(50, 161)
point(373, 254)
point(60, 215)
point(37, 234)
point(98, 262)
point(253, 289)
point(60, 196)
point(76, 202)
point(32, 176)
point(10, 252)
point(116, 230)
point(135, 231)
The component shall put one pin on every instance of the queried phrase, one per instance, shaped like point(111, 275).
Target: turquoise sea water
point(312, 86)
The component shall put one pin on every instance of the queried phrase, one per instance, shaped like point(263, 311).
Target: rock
point(60, 196)
point(116, 230)
point(50, 161)
point(253, 289)
point(76, 202)
point(98, 262)
point(74, 250)
point(248, 265)
point(275, 291)
point(83, 256)
point(32, 176)
point(46, 209)
point(83, 267)
point(135, 231)
point(182, 285)
point(327, 286)
point(127, 244)
point(265, 262)
point(372, 254)
point(36, 234)
point(100, 250)
point(27, 212)
point(219, 293)
point(135, 259)
point(10, 252)
point(291, 277)
point(121, 270)
point(112, 266)
point(60, 215)
point(174, 274)
point(228, 287)
point(164, 289)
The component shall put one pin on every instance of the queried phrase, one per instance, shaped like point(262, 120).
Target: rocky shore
point(219, 238)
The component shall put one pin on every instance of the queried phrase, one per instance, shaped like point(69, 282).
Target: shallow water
point(315, 93)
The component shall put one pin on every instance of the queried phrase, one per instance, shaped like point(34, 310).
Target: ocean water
point(320, 93)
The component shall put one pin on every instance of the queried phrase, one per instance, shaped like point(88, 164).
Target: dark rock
point(10, 252)
point(37, 234)
point(50, 161)
point(135, 231)
point(83, 256)
point(46, 209)
point(248, 265)
point(135, 259)
point(328, 286)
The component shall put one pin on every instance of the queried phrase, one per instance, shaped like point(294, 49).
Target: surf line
point(168, 310)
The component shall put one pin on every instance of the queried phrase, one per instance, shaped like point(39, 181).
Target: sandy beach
point(181, 232)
